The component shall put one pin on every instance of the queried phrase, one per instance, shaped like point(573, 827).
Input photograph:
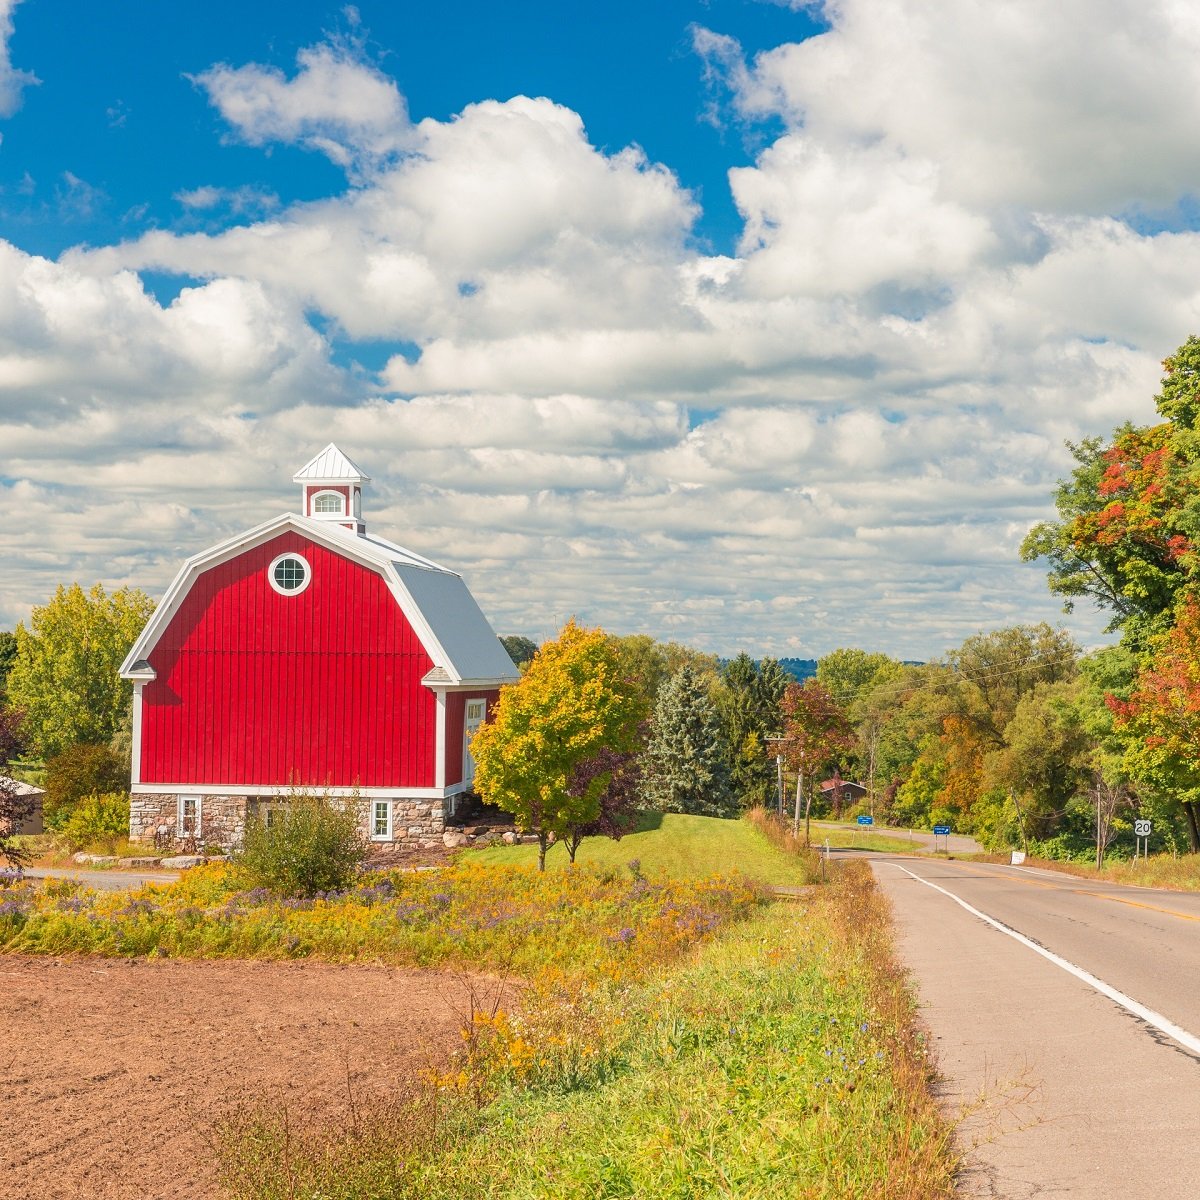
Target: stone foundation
point(415, 823)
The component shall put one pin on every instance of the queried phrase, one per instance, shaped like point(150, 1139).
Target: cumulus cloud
point(12, 81)
point(335, 103)
point(835, 434)
point(1082, 106)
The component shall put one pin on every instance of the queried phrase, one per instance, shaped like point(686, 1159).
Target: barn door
point(476, 710)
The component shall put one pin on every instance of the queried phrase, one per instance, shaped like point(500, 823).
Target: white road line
point(1187, 1040)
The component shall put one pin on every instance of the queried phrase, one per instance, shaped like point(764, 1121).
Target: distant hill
point(799, 669)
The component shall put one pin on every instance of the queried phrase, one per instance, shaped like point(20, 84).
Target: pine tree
point(687, 761)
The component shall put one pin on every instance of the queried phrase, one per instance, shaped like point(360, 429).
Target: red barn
point(309, 653)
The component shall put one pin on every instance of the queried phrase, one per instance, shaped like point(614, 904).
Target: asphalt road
point(1067, 1089)
point(105, 881)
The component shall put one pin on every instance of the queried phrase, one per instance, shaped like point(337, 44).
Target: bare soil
point(113, 1071)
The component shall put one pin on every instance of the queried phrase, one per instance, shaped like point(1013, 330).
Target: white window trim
point(315, 496)
point(391, 812)
point(308, 573)
point(180, 816)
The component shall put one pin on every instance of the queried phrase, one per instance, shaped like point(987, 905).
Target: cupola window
point(289, 574)
point(329, 503)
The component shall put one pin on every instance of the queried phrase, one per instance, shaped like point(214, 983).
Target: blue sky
point(115, 108)
point(754, 325)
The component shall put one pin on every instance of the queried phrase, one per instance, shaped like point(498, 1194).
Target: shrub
point(100, 819)
point(79, 771)
point(312, 844)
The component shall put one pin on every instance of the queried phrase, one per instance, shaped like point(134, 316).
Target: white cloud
point(1079, 106)
point(336, 103)
point(836, 435)
point(12, 81)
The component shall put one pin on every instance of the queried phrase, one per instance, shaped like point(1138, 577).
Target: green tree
point(686, 765)
point(748, 713)
point(65, 674)
point(8, 655)
point(647, 664)
point(1129, 515)
point(79, 771)
point(520, 649)
point(993, 671)
point(1047, 758)
point(569, 706)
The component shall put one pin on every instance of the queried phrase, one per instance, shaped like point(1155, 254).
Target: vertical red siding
point(323, 688)
point(456, 709)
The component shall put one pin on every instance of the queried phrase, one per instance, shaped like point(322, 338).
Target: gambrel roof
point(435, 600)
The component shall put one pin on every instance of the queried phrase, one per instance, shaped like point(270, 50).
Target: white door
point(476, 710)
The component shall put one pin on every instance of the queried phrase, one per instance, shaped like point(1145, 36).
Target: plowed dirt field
point(112, 1071)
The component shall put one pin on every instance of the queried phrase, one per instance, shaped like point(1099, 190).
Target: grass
point(860, 838)
point(673, 845)
point(778, 1059)
point(1180, 874)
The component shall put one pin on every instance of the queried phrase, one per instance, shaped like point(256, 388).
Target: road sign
point(865, 820)
point(1141, 828)
point(941, 831)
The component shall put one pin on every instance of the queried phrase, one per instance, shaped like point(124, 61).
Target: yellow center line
point(1078, 891)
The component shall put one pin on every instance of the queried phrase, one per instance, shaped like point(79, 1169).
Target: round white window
point(289, 574)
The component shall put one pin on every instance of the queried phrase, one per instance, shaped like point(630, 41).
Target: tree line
point(1015, 736)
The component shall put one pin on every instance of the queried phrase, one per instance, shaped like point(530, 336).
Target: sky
point(744, 324)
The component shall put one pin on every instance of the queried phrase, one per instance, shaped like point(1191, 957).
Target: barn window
point(329, 502)
point(381, 820)
point(289, 574)
point(189, 816)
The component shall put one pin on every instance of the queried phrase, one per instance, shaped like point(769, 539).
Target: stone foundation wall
point(222, 819)
point(415, 823)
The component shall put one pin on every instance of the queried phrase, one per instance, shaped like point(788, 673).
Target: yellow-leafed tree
point(569, 706)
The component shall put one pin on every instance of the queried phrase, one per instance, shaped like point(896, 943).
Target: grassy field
point(860, 838)
point(679, 846)
point(779, 1058)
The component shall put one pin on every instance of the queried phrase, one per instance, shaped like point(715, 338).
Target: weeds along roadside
point(1180, 874)
point(779, 1058)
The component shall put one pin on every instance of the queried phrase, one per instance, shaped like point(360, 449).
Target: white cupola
point(331, 489)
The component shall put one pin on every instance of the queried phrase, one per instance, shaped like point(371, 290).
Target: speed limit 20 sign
point(1141, 828)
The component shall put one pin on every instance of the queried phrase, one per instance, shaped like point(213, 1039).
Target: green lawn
point(682, 847)
point(859, 838)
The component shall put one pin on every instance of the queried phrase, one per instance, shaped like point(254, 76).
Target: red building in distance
point(308, 653)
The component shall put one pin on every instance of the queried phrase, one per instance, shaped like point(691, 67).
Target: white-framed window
point(289, 574)
point(329, 504)
point(381, 820)
point(476, 710)
point(188, 822)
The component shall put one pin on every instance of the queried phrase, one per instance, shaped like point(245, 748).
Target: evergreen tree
point(687, 766)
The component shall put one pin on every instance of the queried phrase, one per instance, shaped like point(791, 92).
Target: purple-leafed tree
point(618, 775)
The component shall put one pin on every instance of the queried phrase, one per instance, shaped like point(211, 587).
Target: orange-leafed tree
point(817, 734)
point(1163, 711)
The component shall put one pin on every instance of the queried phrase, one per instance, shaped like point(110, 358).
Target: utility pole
point(796, 815)
point(779, 781)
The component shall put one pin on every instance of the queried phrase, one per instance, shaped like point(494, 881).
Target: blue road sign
point(940, 830)
point(865, 820)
